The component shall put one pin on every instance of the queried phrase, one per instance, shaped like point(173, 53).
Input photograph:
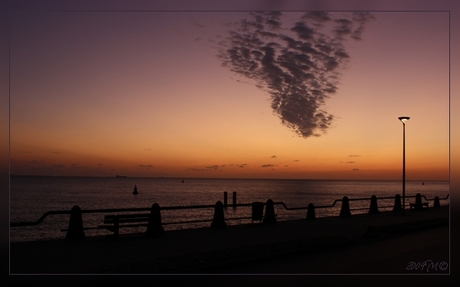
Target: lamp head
point(403, 119)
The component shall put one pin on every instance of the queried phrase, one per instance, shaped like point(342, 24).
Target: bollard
point(219, 219)
point(154, 226)
point(418, 202)
point(373, 209)
point(345, 211)
point(397, 206)
point(234, 199)
point(270, 216)
point(311, 212)
point(436, 202)
point(225, 198)
point(75, 231)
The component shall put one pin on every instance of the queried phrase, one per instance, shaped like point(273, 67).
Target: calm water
point(31, 197)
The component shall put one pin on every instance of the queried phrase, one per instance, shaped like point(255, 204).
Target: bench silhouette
point(114, 222)
point(418, 205)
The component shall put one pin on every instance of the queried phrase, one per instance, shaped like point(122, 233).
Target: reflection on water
point(31, 197)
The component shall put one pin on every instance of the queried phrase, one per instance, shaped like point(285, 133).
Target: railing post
point(270, 216)
point(436, 202)
point(154, 226)
point(75, 231)
point(311, 211)
point(345, 211)
point(397, 207)
point(234, 199)
point(225, 198)
point(219, 219)
point(373, 209)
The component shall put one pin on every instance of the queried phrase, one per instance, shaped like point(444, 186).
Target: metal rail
point(110, 210)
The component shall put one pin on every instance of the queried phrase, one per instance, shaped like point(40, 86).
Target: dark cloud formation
point(297, 65)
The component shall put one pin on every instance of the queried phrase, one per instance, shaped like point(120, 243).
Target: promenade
point(383, 243)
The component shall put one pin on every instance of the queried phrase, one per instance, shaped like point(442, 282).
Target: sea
point(32, 196)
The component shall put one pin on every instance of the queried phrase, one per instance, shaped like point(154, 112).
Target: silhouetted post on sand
point(345, 211)
point(219, 219)
point(397, 206)
point(75, 231)
point(154, 226)
point(311, 212)
point(270, 216)
point(373, 209)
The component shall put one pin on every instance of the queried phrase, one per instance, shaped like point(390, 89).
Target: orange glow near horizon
point(136, 100)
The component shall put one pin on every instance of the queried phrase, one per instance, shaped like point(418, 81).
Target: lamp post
point(403, 120)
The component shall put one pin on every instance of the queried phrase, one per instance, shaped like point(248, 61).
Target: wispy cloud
point(146, 166)
point(77, 166)
point(218, 167)
point(268, 165)
point(298, 65)
point(195, 169)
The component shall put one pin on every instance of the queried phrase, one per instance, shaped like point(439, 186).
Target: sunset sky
point(229, 94)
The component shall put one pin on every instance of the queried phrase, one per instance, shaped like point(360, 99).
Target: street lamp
point(403, 120)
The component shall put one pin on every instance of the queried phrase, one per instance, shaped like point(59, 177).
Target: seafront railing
point(218, 219)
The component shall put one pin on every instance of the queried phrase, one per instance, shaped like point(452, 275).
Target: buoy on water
point(135, 190)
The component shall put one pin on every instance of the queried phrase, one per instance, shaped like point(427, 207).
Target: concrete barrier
point(75, 231)
point(154, 226)
point(219, 219)
point(311, 212)
point(373, 209)
point(270, 216)
point(397, 206)
point(345, 211)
